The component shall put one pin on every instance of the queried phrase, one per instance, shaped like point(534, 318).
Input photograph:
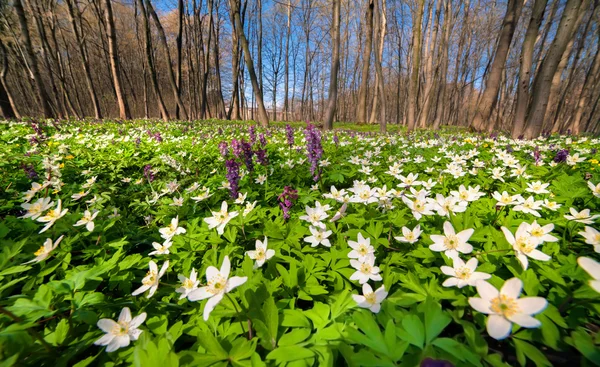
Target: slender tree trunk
point(526, 63)
point(179, 44)
point(234, 6)
point(429, 68)
point(543, 80)
point(443, 74)
point(382, 24)
point(6, 101)
point(586, 92)
point(361, 108)
point(413, 88)
point(492, 86)
point(206, 62)
point(170, 73)
point(219, 91)
point(335, 67)
point(43, 98)
point(287, 59)
point(150, 62)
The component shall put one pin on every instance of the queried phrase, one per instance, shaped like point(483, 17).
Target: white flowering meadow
point(214, 244)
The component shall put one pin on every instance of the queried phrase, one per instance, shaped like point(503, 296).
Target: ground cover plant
point(201, 244)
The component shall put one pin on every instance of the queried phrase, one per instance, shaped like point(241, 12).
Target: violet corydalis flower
point(561, 156)
point(223, 149)
point(286, 200)
point(314, 149)
point(233, 176)
point(236, 147)
point(289, 133)
point(262, 140)
point(252, 133)
point(148, 172)
point(248, 154)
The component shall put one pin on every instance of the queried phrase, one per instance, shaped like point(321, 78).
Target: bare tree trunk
point(234, 6)
point(586, 92)
point(443, 74)
point(335, 67)
point(219, 91)
point(178, 43)
point(286, 103)
point(492, 85)
point(361, 108)
point(43, 98)
point(171, 74)
point(382, 24)
point(6, 102)
point(413, 88)
point(150, 62)
point(429, 69)
point(543, 80)
point(204, 105)
point(526, 63)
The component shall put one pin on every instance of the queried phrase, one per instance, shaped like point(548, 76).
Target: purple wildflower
point(537, 155)
point(286, 200)
point(561, 156)
point(30, 171)
point(261, 157)
point(314, 149)
point(248, 154)
point(223, 149)
point(252, 134)
point(233, 176)
point(289, 133)
point(262, 140)
point(148, 172)
point(236, 147)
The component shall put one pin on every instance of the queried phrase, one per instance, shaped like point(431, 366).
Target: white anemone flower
point(187, 284)
point(43, 252)
point(525, 245)
point(410, 236)
point(315, 215)
point(37, 208)
point(419, 206)
point(369, 299)
point(595, 189)
point(218, 284)
point(120, 333)
point(542, 233)
point(152, 278)
point(361, 249)
point(319, 237)
point(365, 270)
point(52, 216)
point(537, 187)
point(592, 237)
point(161, 249)
point(451, 243)
point(463, 274)
point(261, 254)
point(505, 198)
point(220, 218)
point(529, 206)
point(592, 267)
point(88, 220)
point(581, 217)
point(172, 229)
point(504, 307)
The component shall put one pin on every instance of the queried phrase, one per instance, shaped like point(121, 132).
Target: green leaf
point(212, 345)
point(414, 331)
point(290, 353)
point(295, 318)
point(15, 270)
point(242, 349)
point(435, 319)
point(294, 337)
point(526, 350)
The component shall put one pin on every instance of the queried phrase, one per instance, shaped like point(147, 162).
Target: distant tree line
point(526, 67)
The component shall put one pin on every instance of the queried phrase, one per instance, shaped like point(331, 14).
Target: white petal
point(486, 290)
point(524, 320)
point(211, 272)
point(106, 325)
point(125, 315)
point(480, 305)
point(532, 305)
point(498, 327)
point(538, 255)
point(211, 304)
point(451, 282)
point(448, 229)
point(105, 339)
point(512, 288)
point(235, 282)
point(137, 321)
point(225, 267)
point(591, 266)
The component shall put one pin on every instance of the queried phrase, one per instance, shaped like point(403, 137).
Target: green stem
point(240, 316)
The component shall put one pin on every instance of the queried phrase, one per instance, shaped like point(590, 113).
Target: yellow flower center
point(451, 242)
point(150, 278)
point(505, 306)
point(216, 284)
point(366, 268)
point(41, 250)
point(370, 297)
point(260, 254)
point(464, 195)
point(410, 236)
point(537, 232)
point(362, 250)
point(188, 284)
point(524, 245)
point(122, 328)
point(463, 273)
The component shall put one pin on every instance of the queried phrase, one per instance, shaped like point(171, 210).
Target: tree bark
point(361, 108)
point(42, 94)
point(586, 91)
point(492, 86)
point(179, 44)
point(382, 23)
point(171, 74)
point(335, 67)
point(543, 80)
point(526, 63)
point(413, 88)
point(234, 6)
